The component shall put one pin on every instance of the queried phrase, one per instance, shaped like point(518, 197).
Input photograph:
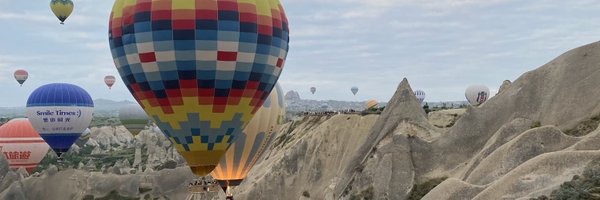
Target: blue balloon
point(60, 112)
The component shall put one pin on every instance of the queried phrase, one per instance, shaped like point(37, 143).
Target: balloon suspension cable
point(229, 193)
point(203, 188)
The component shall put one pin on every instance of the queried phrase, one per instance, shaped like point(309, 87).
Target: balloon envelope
point(420, 94)
point(60, 112)
point(200, 69)
point(84, 138)
point(21, 76)
point(477, 94)
point(256, 139)
point(354, 90)
point(313, 90)
point(21, 145)
point(109, 81)
point(62, 9)
point(133, 118)
point(372, 104)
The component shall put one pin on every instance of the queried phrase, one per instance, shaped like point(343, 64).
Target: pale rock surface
point(445, 118)
point(513, 146)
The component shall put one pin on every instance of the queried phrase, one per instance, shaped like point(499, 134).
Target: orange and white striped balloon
point(21, 144)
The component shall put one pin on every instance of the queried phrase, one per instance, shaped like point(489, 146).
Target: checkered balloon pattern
point(199, 68)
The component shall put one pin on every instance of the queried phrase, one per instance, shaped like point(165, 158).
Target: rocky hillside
point(537, 133)
point(525, 142)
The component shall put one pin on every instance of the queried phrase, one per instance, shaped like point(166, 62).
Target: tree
point(426, 108)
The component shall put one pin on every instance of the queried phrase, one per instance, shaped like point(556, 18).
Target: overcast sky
point(441, 46)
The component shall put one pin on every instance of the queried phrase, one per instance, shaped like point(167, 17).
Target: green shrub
point(584, 127)
point(306, 194)
point(420, 190)
point(586, 186)
point(536, 124)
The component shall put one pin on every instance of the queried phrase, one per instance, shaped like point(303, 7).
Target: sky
point(441, 46)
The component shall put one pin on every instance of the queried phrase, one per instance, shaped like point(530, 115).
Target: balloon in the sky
point(60, 112)
point(84, 138)
point(372, 104)
point(313, 90)
point(420, 94)
point(110, 81)
point(354, 90)
point(200, 69)
point(21, 76)
point(62, 9)
point(134, 118)
point(256, 139)
point(477, 94)
point(21, 145)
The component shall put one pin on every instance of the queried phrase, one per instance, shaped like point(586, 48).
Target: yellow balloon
point(256, 138)
point(62, 9)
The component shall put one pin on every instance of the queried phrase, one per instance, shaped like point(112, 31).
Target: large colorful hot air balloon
point(200, 69)
point(110, 81)
point(420, 94)
point(21, 76)
point(84, 138)
point(62, 9)
point(313, 90)
point(60, 112)
point(477, 94)
point(354, 90)
point(249, 146)
point(134, 118)
point(21, 145)
point(372, 104)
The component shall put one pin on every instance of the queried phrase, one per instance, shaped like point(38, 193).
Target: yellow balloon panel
point(256, 138)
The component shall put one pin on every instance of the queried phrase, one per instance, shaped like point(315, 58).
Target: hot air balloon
point(372, 104)
point(200, 69)
point(134, 118)
point(83, 139)
point(62, 9)
point(420, 94)
point(313, 90)
point(354, 90)
point(21, 76)
point(255, 140)
point(477, 94)
point(110, 81)
point(21, 145)
point(60, 112)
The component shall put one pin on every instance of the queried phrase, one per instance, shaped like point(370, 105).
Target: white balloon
point(477, 94)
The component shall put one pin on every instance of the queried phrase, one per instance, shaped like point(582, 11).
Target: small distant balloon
point(420, 94)
point(21, 76)
point(354, 90)
point(477, 94)
point(110, 81)
point(313, 90)
point(62, 9)
point(372, 104)
point(60, 112)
